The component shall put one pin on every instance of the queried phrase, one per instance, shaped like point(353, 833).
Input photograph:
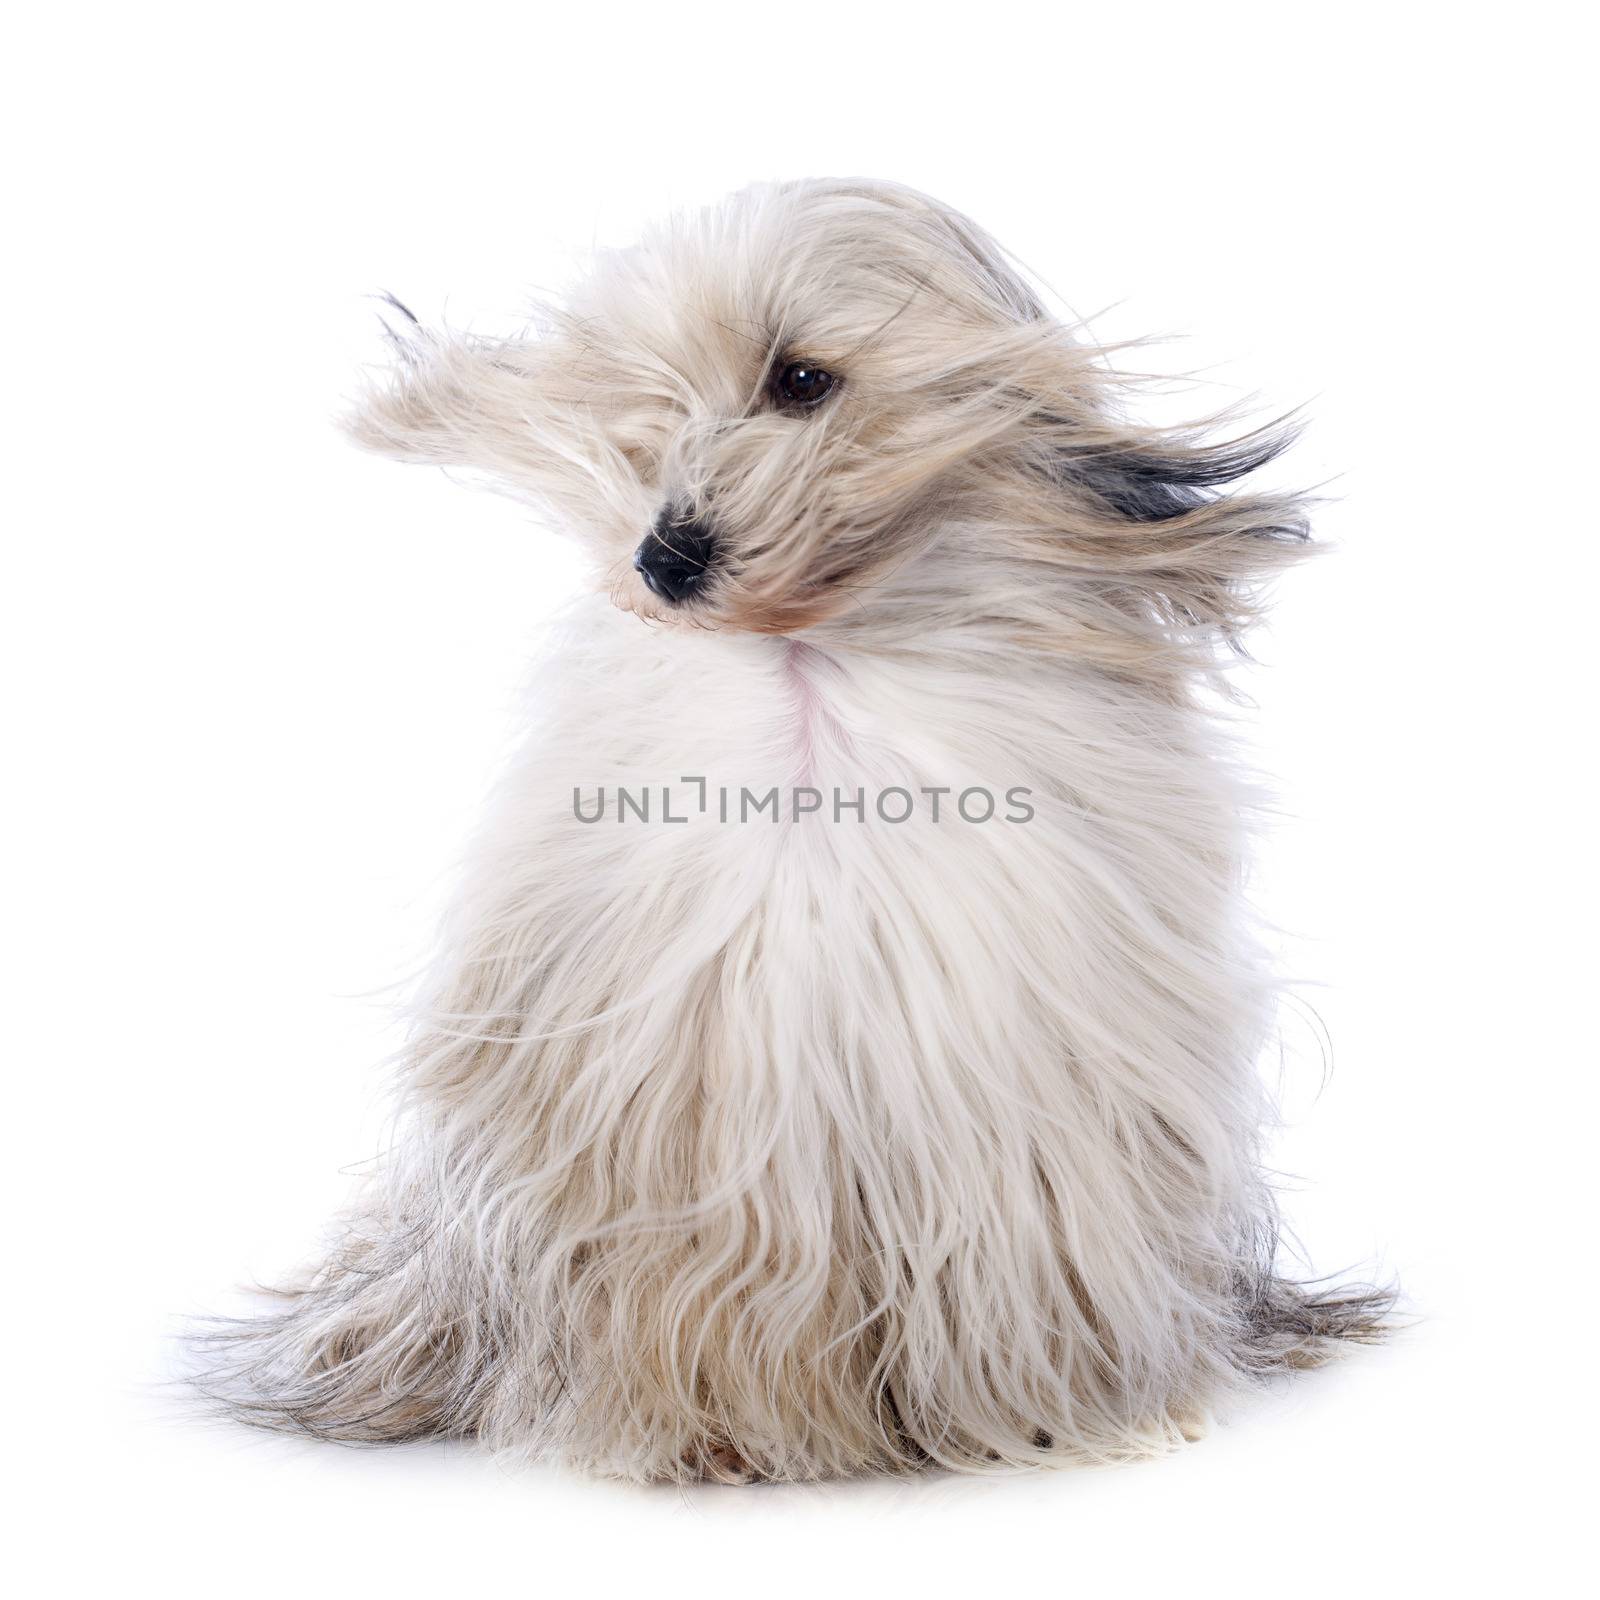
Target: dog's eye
point(802, 384)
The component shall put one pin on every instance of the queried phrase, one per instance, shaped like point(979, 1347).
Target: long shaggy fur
point(811, 1146)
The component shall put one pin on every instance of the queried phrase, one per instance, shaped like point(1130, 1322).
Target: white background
point(256, 682)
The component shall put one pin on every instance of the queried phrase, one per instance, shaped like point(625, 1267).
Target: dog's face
point(785, 387)
point(777, 410)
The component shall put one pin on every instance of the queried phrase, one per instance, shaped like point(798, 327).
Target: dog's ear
point(1164, 518)
point(1146, 475)
point(446, 398)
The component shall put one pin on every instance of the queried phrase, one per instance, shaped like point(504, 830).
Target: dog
point(841, 1056)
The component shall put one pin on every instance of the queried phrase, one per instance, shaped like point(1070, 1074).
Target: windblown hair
point(811, 1145)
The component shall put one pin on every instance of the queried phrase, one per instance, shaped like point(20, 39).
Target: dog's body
point(772, 1133)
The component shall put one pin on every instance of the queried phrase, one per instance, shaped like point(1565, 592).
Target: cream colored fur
point(828, 1144)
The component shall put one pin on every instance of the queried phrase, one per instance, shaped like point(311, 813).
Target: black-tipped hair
point(1155, 485)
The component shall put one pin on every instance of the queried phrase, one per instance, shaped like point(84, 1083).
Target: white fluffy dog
point(842, 1055)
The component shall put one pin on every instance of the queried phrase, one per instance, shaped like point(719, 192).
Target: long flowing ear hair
point(1159, 517)
point(452, 399)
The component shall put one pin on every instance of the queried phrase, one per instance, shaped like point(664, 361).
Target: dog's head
point(825, 395)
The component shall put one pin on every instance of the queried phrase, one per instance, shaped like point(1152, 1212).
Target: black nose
point(676, 556)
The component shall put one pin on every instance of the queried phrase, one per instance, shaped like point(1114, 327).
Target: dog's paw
point(719, 1463)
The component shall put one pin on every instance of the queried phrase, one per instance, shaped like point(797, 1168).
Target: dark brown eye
point(802, 384)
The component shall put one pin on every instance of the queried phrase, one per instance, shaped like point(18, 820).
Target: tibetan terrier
point(842, 1051)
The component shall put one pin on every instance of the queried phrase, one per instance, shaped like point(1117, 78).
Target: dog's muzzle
point(675, 558)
